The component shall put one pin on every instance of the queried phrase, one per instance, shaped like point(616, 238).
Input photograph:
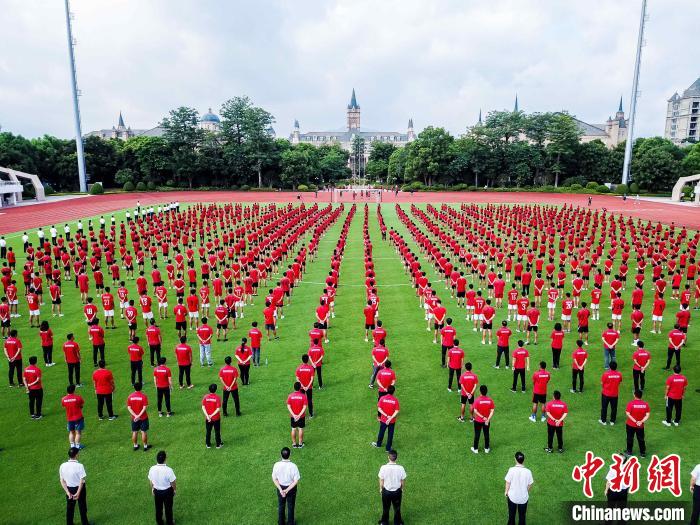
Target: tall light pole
point(76, 107)
point(635, 94)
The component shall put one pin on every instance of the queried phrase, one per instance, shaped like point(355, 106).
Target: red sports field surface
point(29, 217)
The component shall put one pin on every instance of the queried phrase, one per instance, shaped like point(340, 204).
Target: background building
point(682, 115)
point(611, 133)
point(209, 121)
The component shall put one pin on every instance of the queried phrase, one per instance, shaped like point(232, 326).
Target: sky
point(438, 62)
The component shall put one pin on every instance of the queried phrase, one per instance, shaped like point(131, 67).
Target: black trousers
point(478, 429)
point(73, 369)
point(639, 433)
point(95, 350)
point(617, 500)
point(577, 377)
point(696, 506)
point(319, 376)
point(48, 354)
point(520, 509)
point(519, 373)
point(36, 398)
point(236, 401)
point(82, 506)
point(15, 365)
point(136, 369)
point(310, 399)
point(556, 355)
point(526, 289)
point(454, 374)
point(391, 498)
point(389, 429)
point(155, 353)
point(103, 399)
point(669, 357)
point(670, 405)
point(245, 373)
point(559, 431)
point(605, 402)
point(164, 502)
point(216, 425)
point(184, 371)
point(163, 393)
point(639, 378)
point(502, 350)
point(286, 503)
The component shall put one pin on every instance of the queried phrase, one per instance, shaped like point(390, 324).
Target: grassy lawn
point(446, 484)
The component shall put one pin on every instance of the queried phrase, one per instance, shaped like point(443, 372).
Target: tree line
point(509, 149)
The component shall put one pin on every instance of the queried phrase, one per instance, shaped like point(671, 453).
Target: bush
point(313, 187)
point(123, 176)
point(460, 187)
point(141, 186)
point(245, 187)
point(129, 186)
point(97, 189)
point(592, 186)
point(48, 189)
point(303, 187)
point(170, 183)
point(571, 181)
point(634, 188)
point(602, 188)
point(621, 189)
point(575, 187)
point(151, 185)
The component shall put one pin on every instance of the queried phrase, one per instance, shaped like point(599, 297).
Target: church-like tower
point(353, 114)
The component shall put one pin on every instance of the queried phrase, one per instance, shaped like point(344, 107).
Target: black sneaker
point(146, 448)
point(112, 418)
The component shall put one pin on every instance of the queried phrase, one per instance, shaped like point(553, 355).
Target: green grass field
point(446, 483)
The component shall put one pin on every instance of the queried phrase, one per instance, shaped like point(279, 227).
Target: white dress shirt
point(161, 476)
point(72, 472)
point(285, 472)
point(611, 476)
point(696, 474)
point(393, 475)
point(520, 478)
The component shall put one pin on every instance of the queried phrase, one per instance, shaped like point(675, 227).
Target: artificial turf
point(446, 482)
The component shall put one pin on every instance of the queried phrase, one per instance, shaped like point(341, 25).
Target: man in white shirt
point(616, 498)
point(162, 479)
point(3, 248)
point(72, 475)
point(285, 476)
point(54, 234)
point(25, 241)
point(695, 491)
point(66, 232)
point(391, 483)
point(518, 483)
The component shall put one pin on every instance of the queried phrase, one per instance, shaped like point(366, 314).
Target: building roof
point(121, 121)
point(346, 136)
point(353, 101)
point(590, 130)
point(693, 90)
point(209, 117)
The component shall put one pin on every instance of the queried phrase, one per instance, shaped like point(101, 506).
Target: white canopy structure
point(11, 186)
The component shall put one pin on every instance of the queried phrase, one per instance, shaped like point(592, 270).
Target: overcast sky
point(436, 61)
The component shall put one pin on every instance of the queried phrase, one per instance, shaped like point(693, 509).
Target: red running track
point(33, 216)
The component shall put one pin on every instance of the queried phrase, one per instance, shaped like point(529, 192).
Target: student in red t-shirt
point(540, 379)
point(33, 385)
point(637, 412)
point(255, 336)
point(455, 356)
point(676, 340)
point(46, 336)
point(482, 412)
point(103, 381)
point(488, 314)
point(388, 408)
point(136, 360)
point(467, 383)
point(610, 382)
point(296, 405)
point(244, 356)
point(502, 344)
point(73, 405)
point(640, 359)
point(533, 319)
point(675, 390)
point(269, 314)
point(211, 407)
point(447, 339)
point(557, 338)
point(521, 363)
point(228, 375)
point(137, 405)
point(183, 356)
point(163, 380)
point(556, 411)
point(305, 375)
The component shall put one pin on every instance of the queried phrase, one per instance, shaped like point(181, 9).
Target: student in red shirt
point(46, 336)
point(269, 314)
point(455, 356)
point(136, 360)
point(640, 359)
point(163, 380)
point(521, 362)
point(243, 356)
point(675, 390)
point(296, 405)
point(488, 313)
point(386, 377)
point(379, 356)
point(71, 352)
point(316, 353)
point(439, 316)
point(533, 319)
point(447, 339)
point(579, 358)
point(388, 408)
point(637, 412)
point(305, 375)
point(556, 411)
point(482, 412)
point(557, 338)
point(610, 339)
point(137, 405)
point(211, 407)
point(204, 335)
point(676, 340)
point(96, 334)
point(183, 356)
point(255, 336)
point(103, 381)
point(73, 405)
point(657, 314)
point(610, 382)
point(467, 382)
point(502, 344)
point(35, 390)
point(228, 375)
point(540, 379)
point(180, 312)
point(13, 352)
point(583, 315)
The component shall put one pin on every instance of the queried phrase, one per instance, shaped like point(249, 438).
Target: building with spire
point(682, 112)
point(347, 135)
point(120, 131)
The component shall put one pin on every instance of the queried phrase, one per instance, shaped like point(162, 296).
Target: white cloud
point(438, 62)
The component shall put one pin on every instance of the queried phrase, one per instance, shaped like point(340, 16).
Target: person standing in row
point(455, 356)
point(163, 380)
point(638, 412)
point(518, 482)
point(137, 405)
point(482, 412)
point(228, 375)
point(244, 355)
point(392, 479)
point(640, 359)
point(388, 408)
point(521, 363)
point(73, 404)
point(136, 361)
point(285, 476)
point(556, 411)
point(35, 390)
point(71, 351)
point(297, 405)
point(163, 483)
point(183, 356)
point(610, 382)
point(72, 476)
point(13, 352)
point(675, 390)
point(211, 407)
point(579, 358)
point(103, 380)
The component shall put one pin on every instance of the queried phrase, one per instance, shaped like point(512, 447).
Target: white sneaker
point(666, 423)
point(475, 450)
point(602, 422)
point(533, 418)
point(487, 450)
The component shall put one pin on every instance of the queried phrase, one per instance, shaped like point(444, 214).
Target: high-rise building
point(682, 114)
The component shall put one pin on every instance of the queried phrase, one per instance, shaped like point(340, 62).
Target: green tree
point(429, 156)
point(657, 163)
point(397, 165)
point(333, 164)
point(691, 162)
point(181, 130)
point(563, 139)
point(299, 165)
point(101, 160)
point(378, 164)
